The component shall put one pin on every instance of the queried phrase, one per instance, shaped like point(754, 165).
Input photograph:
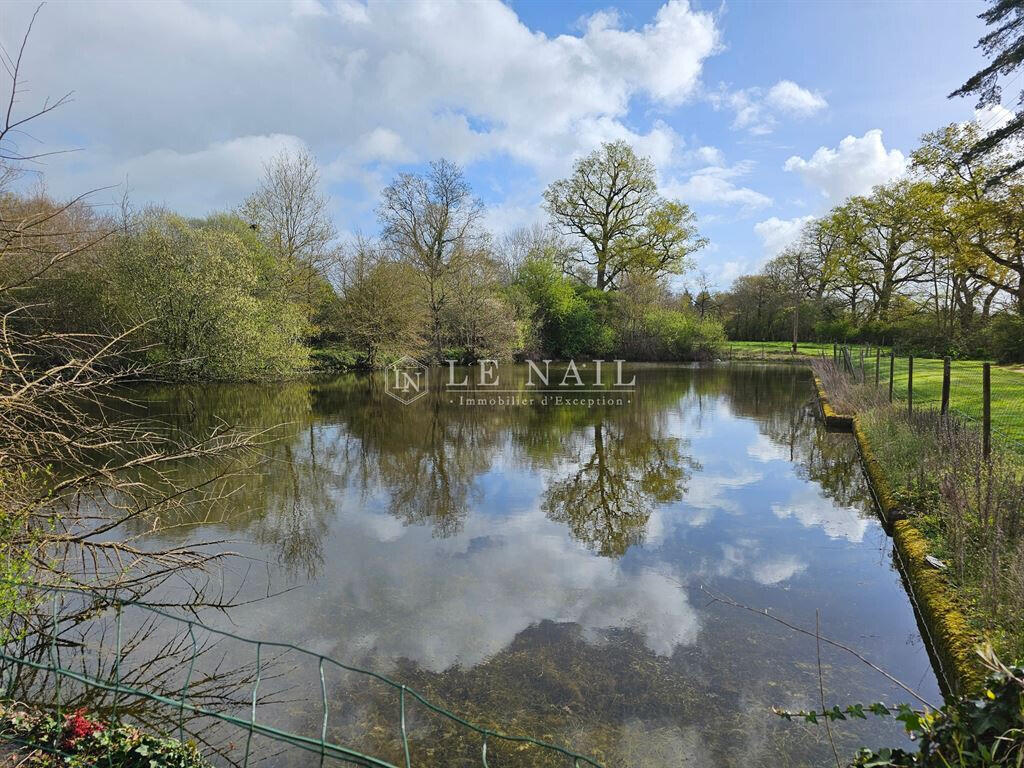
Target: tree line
point(267, 289)
point(931, 262)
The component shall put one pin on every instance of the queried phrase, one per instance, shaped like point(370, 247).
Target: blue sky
point(757, 114)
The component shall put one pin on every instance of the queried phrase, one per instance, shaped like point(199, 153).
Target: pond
point(548, 568)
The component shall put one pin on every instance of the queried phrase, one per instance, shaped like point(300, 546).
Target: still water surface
point(540, 568)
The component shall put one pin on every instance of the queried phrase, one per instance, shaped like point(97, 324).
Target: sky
point(759, 115)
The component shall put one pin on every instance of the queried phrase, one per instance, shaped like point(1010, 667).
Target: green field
point(965, 380)
point(773, 350)
point(964, 389)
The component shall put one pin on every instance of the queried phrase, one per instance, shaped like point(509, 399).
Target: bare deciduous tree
point(292, 216)
point(432, 221)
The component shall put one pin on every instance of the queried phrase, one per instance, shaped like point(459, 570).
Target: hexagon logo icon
point(406, 379)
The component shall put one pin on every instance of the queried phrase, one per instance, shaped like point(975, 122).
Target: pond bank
point(941, 609)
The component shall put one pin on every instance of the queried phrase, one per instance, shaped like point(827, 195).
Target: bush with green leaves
point(77, 740)
point(210, 304)
point(567, 315)
point(967, 732)
point(680, 336)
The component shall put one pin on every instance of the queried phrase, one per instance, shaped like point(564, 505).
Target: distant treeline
point(930, 263)
point(267, 289)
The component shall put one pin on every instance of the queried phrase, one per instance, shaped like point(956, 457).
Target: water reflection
point(536, 565)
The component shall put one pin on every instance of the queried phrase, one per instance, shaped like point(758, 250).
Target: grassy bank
point(965, 380)
point(965, 390)
point(957, 520)
point(774, 350)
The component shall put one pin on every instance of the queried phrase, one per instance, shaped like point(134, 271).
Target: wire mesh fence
point(67, 649)
point(955, 386)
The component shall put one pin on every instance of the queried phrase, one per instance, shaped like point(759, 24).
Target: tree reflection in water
point(622, 472)
point(605, 469)
point(455, 545)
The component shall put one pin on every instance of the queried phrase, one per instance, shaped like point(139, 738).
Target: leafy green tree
point(610, 204)
point(203, 302)
point(888, 233)
point(381, 312)
point(958, 218)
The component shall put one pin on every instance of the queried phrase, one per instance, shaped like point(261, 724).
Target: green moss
point(941, 608)
point(887, 502)
point(955, 640)
point(832, 419)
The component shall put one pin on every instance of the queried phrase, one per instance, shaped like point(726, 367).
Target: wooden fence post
point(892, 371)
point(910, 384)
point(986, 412)
point(945, 386)
point(835, 354)
point(878, 363)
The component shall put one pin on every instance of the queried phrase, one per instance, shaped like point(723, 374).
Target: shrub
point(209, 306)
point(1006, 338)
point(334, 358)
point(80, 741)
point(680, 336)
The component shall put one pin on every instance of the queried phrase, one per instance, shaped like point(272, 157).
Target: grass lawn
point(964, 387)
point(774, 350)
point(965, 390)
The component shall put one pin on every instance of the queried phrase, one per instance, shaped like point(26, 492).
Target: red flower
point(77, 726)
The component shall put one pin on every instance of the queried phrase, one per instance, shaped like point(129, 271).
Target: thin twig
point(725, 600)
point(821, 687)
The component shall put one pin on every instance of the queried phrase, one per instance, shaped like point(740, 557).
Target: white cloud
point(776, 234)
point(709, 155)
point(786, 96)
point(774, 570)
point(758, 111)
point(745, 557)
point(766, 450)
point(195, 183)
point(714, 184)
point(811, 510)
point(462, 599)
point(385, 145)
point(852, 168)
point(992, 117)
point(358, 83)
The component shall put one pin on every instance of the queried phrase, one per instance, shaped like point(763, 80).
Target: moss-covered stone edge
point(833, 420)
point(941, 609)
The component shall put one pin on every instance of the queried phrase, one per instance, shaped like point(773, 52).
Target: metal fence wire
point(956, 386)
point(35, 645)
